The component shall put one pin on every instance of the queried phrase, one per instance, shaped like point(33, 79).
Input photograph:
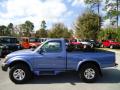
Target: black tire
point(22, 67)
point(86, 67)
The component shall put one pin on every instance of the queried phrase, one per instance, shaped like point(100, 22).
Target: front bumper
point(4, 66)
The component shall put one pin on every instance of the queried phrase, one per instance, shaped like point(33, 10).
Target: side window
point(52, 46)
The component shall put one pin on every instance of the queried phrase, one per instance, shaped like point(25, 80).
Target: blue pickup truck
point(52, 57)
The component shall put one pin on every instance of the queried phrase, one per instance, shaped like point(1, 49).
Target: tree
point(94, 3)
point(27, 28)
point(59, 30)
point(10, 29)
point(113, 11)
point(42, 32)
point(3, 29)
point(7, 30)
point(43, 25)
point(86, 26)
point(109, 34)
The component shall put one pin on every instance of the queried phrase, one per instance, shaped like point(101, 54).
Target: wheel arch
point(20, 62)
point(89, 62)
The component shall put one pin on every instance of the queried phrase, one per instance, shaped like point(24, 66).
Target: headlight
point(1, 46)
point(5, 59)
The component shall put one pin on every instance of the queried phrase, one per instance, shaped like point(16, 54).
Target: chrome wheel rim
point(19, 74)
point(111, 46)
point(89, 73)
point(84, 46)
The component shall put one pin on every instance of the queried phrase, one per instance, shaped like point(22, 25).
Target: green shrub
point(109, 33)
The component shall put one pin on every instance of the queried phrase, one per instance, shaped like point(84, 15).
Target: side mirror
point(41, 51)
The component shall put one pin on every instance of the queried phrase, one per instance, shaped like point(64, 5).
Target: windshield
point(34, 40)
point(8, 40)
point(74, 40)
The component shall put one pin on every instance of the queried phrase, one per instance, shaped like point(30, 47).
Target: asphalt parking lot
point(65, 81)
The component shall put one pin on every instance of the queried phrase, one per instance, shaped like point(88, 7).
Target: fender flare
point(18, 59)
point(86, 60)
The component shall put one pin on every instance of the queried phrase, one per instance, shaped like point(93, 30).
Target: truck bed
point(103, 58)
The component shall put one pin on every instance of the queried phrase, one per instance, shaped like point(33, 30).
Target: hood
point(20, 53)
point(9, 44)
point(35, 44)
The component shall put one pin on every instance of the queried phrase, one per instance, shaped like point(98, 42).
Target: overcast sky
point(18, 11)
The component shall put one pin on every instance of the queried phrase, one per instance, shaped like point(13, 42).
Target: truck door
point(52, 56)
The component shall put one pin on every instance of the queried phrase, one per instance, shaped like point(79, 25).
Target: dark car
point(86, 44)
point(8, 44)
point(95, 43)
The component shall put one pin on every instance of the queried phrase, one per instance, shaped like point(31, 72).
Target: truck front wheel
point(19, 74)
point(89, 73)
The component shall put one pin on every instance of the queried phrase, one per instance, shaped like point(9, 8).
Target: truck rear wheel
point(89, 73)
point(19, 74)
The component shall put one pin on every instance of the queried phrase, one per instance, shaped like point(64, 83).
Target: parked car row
point(9, 44)
point(78, 44)
point(90, 44)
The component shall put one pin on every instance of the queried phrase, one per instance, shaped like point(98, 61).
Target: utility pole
point(99, 16)
point(117, 13)
point(98, 7)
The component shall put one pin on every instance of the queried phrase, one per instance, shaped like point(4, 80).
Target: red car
point(27, 43)
point(34, 42)
point(110, 44)
point(76, 44)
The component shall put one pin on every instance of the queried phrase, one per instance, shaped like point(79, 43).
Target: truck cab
point(51, 58)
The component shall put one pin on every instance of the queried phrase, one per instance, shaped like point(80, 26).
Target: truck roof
point(7, 37)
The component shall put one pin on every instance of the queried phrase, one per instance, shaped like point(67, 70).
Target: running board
point(46, 73)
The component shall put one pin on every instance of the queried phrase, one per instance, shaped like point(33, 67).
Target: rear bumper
point(4, 66)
